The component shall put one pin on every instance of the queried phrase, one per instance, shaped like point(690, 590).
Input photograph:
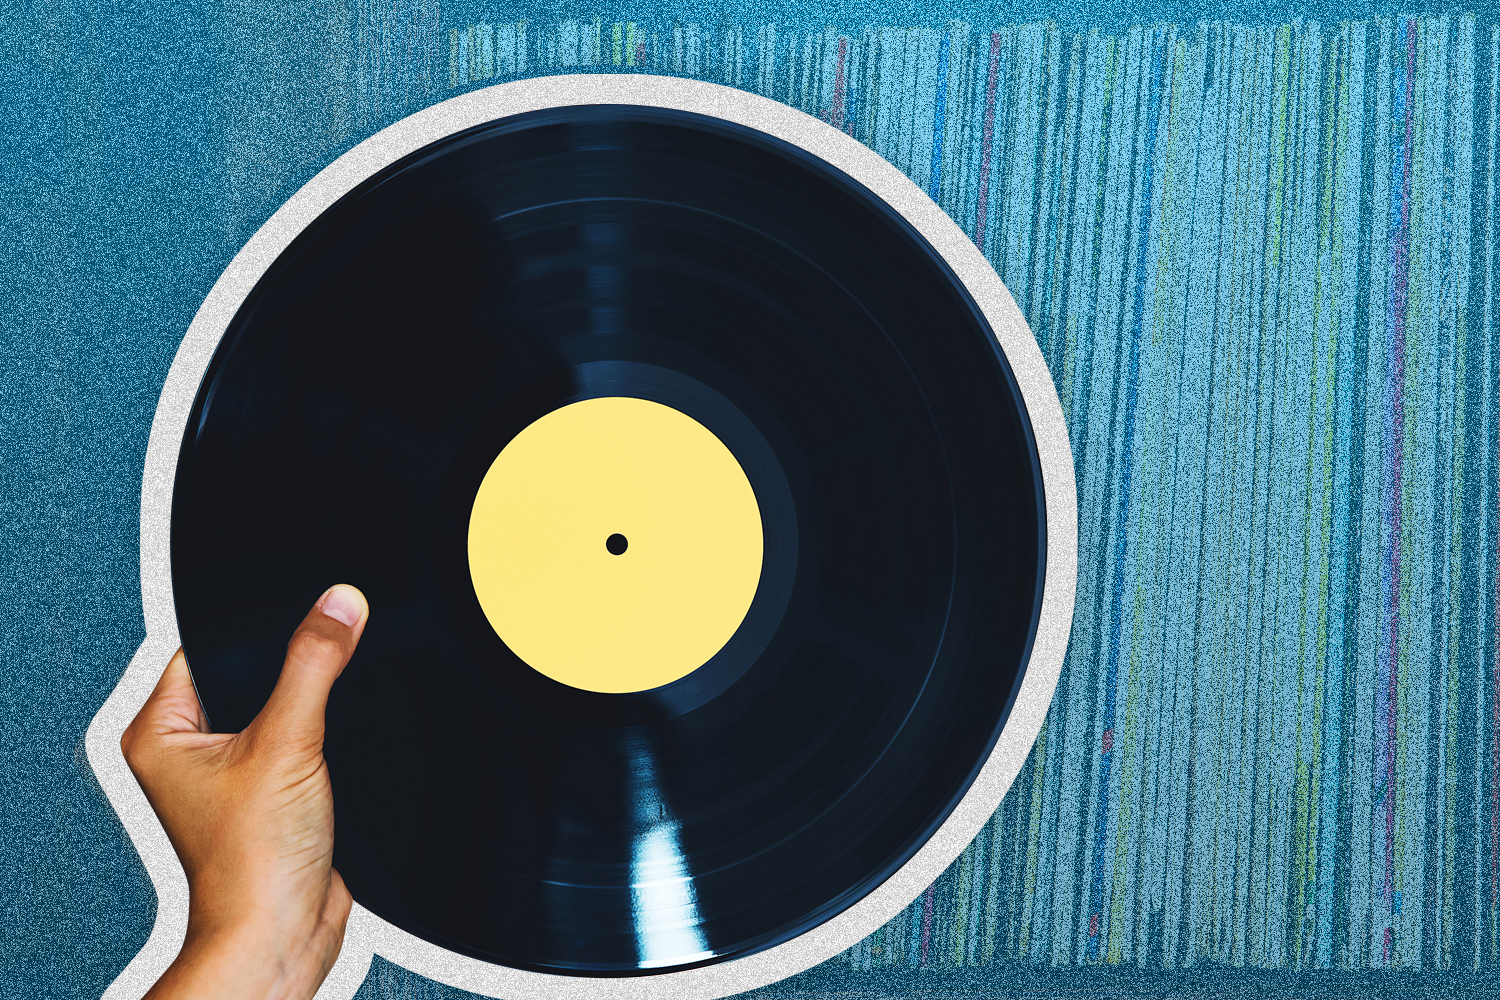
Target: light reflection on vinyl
point(663, 898)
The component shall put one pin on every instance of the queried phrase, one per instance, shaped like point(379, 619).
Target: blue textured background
point(1271, 765)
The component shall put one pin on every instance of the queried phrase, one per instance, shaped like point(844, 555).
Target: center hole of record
point(617, 544)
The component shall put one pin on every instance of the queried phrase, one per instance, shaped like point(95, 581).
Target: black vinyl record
point(420, 324)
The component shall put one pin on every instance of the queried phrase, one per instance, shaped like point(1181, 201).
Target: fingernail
point(342, 603)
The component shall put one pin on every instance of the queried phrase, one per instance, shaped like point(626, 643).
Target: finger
point(315, 657)
point(173, 705)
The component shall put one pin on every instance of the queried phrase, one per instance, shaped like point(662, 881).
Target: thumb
point(315, 657)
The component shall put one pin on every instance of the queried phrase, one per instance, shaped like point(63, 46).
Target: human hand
point(250, 815)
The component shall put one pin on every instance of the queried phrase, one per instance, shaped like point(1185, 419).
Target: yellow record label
point(615, 544)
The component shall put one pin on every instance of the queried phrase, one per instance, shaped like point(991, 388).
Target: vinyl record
point(699, 513)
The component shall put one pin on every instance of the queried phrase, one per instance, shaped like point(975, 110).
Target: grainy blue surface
point(1260, 262)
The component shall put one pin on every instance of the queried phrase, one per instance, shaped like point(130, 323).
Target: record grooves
point(466, 294)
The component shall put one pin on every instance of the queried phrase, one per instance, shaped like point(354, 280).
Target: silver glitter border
point(367, 934)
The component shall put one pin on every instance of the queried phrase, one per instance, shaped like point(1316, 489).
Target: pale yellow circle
point(567, 606)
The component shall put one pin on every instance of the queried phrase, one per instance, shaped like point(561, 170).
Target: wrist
point(243, 960)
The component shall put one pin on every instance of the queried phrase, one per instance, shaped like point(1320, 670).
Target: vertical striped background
point(1260, 262)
